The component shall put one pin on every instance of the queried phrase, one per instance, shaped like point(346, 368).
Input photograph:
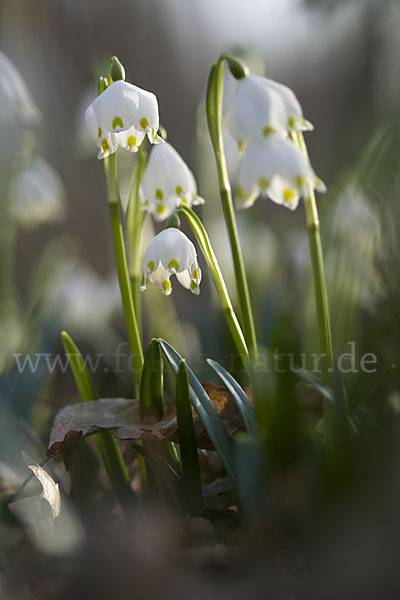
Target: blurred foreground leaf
point(52, 529)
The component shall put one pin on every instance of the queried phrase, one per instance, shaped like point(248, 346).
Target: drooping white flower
point(278, 168)
point(16, 102)
point(37, 195)
point(261, 106)
point(171, 253)
point(167, 182)
point(121, 116)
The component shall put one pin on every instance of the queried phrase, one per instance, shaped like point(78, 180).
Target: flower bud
point(237, 66)
point(116, 69)
point(173, 221)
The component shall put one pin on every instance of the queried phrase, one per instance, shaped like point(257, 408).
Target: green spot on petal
point(131, 141)
point(196, 274)
point(179, 190)
point(166, 285)
point(173, 264)
point(288, 194)
point(117, 122)
point(194, 286)
point(159, 194)
point(105, 146)
point(300, 181)
point(151, 265)
point(160, 209)
point(99, 132)
point(144, 123)
point(239, 193)
point(241, 146)
point(263, 183)
point(268, 130)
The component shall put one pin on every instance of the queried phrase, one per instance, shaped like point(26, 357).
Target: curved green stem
point(214, 119)
point(321, 295)
point(110, 168)
point(212, 263)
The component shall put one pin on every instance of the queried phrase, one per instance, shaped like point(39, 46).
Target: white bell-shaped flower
point(278, 168)
point(37, 195)
point(261, 106)
point(121, 116)
point(16, 102)
point(167, 183)
point(171, 253)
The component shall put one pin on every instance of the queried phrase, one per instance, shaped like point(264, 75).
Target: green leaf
point(187, 443)
point(108, 447)
point(340, 422)
point(367, 391)
point(252, 467)
point(244, 405)
point(151, 390)
point(207, 414)
point(82, 378)
point(309, 378)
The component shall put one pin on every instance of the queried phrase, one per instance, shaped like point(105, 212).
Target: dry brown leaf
point(122, 417)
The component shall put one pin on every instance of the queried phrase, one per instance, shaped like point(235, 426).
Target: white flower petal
point(276, 167)
point(294, 113)
point(168, 182)
point(171, 253)
point(184, 279)
point(122, 115)
point(16, 101)
point(116, 109)
point(106, 141)
point(147, 117)
point(37, 194)
point(261, 107)
point(161, 278)
point(130, 139)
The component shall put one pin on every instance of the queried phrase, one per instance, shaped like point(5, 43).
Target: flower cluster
point(122, 115)
point(262, 116)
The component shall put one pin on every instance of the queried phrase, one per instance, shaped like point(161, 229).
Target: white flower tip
point(194, 288)
point(319, 185)
point(172, 270)
point(198, 200)
point(306, 125)
point(155, 139)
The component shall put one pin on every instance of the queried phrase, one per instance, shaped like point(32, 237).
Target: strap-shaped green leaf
point(366, 393)
point(319, 387)
point(151, 390)
point(187, 443)
point(238, 394)
point(207, 413)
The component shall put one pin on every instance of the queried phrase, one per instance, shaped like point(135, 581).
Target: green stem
point(212, 263)
point(321, 296)
point(135, 221)
point(214, 119)
point(110, 167)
